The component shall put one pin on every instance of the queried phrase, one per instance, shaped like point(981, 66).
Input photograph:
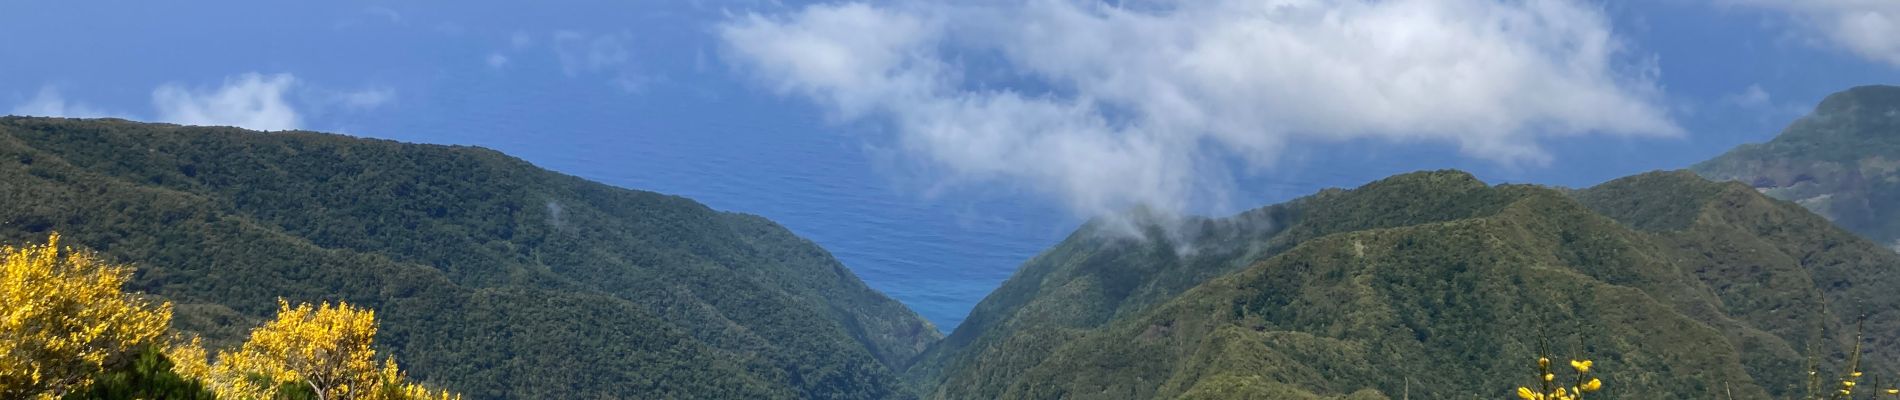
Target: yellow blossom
point(1526, 394)
point(1581, 366)
point(326, 348)
point(63, 315)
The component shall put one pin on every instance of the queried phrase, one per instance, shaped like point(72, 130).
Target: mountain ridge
point(496, 278)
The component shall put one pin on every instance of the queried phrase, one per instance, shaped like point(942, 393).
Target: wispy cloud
point(1103, 107)
point(48, 102)
point(520, 40)
point(369, 16)
point(1751, 97)
point(609, 55)
point(385, 13)
point(250, 100)
point(364, 99)
point(1759, 103)
point(1867, 28)
point(517, 42)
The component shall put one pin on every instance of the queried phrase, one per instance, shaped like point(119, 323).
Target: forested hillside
point(491, 277)
point(495, 279)
point(1436, 285)
point(1842, 161)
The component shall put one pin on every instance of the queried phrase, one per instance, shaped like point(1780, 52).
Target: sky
point(934, 146)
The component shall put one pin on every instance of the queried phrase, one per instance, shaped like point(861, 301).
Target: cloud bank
point(1104, 105)
point(50, 103)
point(1868, 28)
point(251, 101)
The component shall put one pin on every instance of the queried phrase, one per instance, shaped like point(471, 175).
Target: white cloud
point(251, 101)
point(1868, 28)
point(496, 60)
point(49, 103)
point(1103, 107)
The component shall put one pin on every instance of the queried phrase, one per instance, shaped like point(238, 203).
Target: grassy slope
point(492, 277)
point(1841, 161)
point(1708, 285)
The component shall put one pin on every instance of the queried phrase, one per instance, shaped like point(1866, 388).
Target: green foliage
point(147, 376)
point(1439, 286)
point(1842, 161)
point(491, 277)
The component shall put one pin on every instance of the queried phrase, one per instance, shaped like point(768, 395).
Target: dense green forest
point(491, 277)
point(1435, 285)
point(1841, 161)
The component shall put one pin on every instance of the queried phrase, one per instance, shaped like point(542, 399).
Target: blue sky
point(934, 146)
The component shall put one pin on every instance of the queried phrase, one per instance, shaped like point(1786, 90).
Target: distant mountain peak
point(1842, 162)
point(1881, 99)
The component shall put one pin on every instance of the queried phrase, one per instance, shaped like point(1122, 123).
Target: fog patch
point(557, 215)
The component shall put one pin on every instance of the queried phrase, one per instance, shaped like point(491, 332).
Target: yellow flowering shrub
point(63, 316)
point(326, 348)
point(1548, 388)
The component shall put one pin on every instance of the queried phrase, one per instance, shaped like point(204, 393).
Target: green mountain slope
point(1841, 161)
point(1100, 272)
point(1438, 285)
point(492, 277)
